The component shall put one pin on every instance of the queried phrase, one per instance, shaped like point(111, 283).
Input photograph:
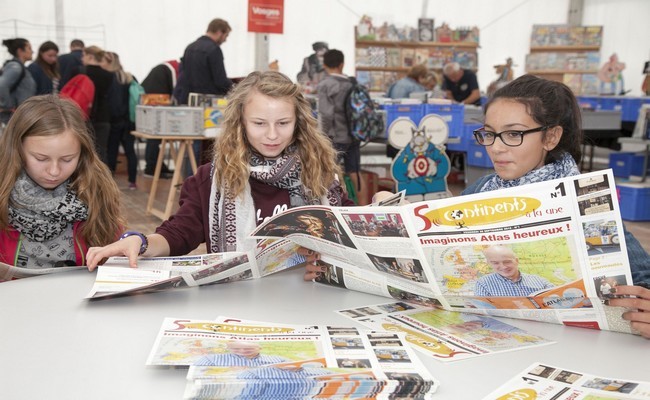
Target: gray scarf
point(40, 214)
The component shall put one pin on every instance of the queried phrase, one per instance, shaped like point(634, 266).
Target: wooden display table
point(184, 146)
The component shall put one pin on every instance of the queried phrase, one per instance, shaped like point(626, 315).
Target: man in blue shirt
point(507, 280)
point(240, 354)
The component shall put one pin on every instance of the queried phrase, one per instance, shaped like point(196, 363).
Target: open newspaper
point(115, 277)
point(231, 358)
point(545, 382)
point(565, 238)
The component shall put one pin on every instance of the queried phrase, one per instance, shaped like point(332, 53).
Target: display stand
point(380, 63)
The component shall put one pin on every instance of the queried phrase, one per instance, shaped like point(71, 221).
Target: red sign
point(266, 16)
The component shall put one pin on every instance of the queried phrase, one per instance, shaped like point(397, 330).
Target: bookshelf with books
point(568, 54)
point(380, 63)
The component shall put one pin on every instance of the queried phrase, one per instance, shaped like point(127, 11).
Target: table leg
point(176, 178)
point(156, 175)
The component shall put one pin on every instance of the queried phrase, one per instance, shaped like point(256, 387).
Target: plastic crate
point(477, 155)
point(452, 114)
point(634, 199)
point(176, 121)
point(626, 164)
point(610, 103)
point(588, 102)
point(630, 109)
point(465, 139)
point(410, 111)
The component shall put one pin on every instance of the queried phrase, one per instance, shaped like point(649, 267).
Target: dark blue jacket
point(43, 82)
point(203, 69)
point(68, 65)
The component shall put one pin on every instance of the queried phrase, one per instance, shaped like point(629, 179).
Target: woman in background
point(45, 70)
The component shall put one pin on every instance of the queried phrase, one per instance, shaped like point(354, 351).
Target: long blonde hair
point(50, 115)
point(232, 152)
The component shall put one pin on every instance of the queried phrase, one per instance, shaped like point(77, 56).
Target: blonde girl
point(271, 156)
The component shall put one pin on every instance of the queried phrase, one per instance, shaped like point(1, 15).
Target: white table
point(55, 345)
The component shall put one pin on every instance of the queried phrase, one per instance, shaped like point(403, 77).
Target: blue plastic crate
point(452, 114)
point(465, 139)
point(477, 155)
point(610, 103)
point(634, 199)
point(410, 111)
point(630, 109)
point(625, 164)
point(588, 102)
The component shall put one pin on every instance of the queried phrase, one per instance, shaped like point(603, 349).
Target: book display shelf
point(380, 63)
point(569, 54)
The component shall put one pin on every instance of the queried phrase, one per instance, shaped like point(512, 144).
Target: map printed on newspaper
point(232, 358)
point(545, 382)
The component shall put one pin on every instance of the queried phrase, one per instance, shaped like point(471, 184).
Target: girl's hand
point(312, 268)
point(128, 247)
point(639, 316)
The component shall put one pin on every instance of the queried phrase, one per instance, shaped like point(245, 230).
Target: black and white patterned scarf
point(233, 218)
point(41, 214)
point(565, 166)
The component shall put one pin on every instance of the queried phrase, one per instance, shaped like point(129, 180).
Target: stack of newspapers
point(229, 358)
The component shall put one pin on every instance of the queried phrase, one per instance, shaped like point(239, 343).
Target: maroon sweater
point(190, 226)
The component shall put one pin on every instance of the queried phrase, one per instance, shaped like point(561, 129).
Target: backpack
point(81, 90)
point(364, 122)
point(14, 86)
point(135, 91)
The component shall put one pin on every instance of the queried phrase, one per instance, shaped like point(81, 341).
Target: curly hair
point(50, 115)
point(232, 152)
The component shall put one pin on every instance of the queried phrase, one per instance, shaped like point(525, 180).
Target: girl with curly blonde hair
point(270, 157)
point(55, 193)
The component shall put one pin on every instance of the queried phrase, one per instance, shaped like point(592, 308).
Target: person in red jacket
point(56, 196)
point(270, 157)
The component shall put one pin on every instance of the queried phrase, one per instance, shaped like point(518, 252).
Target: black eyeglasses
point(509, 138)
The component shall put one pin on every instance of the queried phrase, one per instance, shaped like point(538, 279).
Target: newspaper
point(114, 278)
point(445, 335)
point(9, 272)
point(565, 233)
point(545, 382)
point(305, 361)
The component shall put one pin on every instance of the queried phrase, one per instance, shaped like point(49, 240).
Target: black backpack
point(20, 79)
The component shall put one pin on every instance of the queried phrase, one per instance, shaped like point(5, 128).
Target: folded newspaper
point(231, 358)
point(551, 252)
point(545, 382)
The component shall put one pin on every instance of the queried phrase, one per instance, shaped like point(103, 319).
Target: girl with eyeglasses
point(532, 134)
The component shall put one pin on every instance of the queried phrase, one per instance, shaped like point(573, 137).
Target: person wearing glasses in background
point(532, 134)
